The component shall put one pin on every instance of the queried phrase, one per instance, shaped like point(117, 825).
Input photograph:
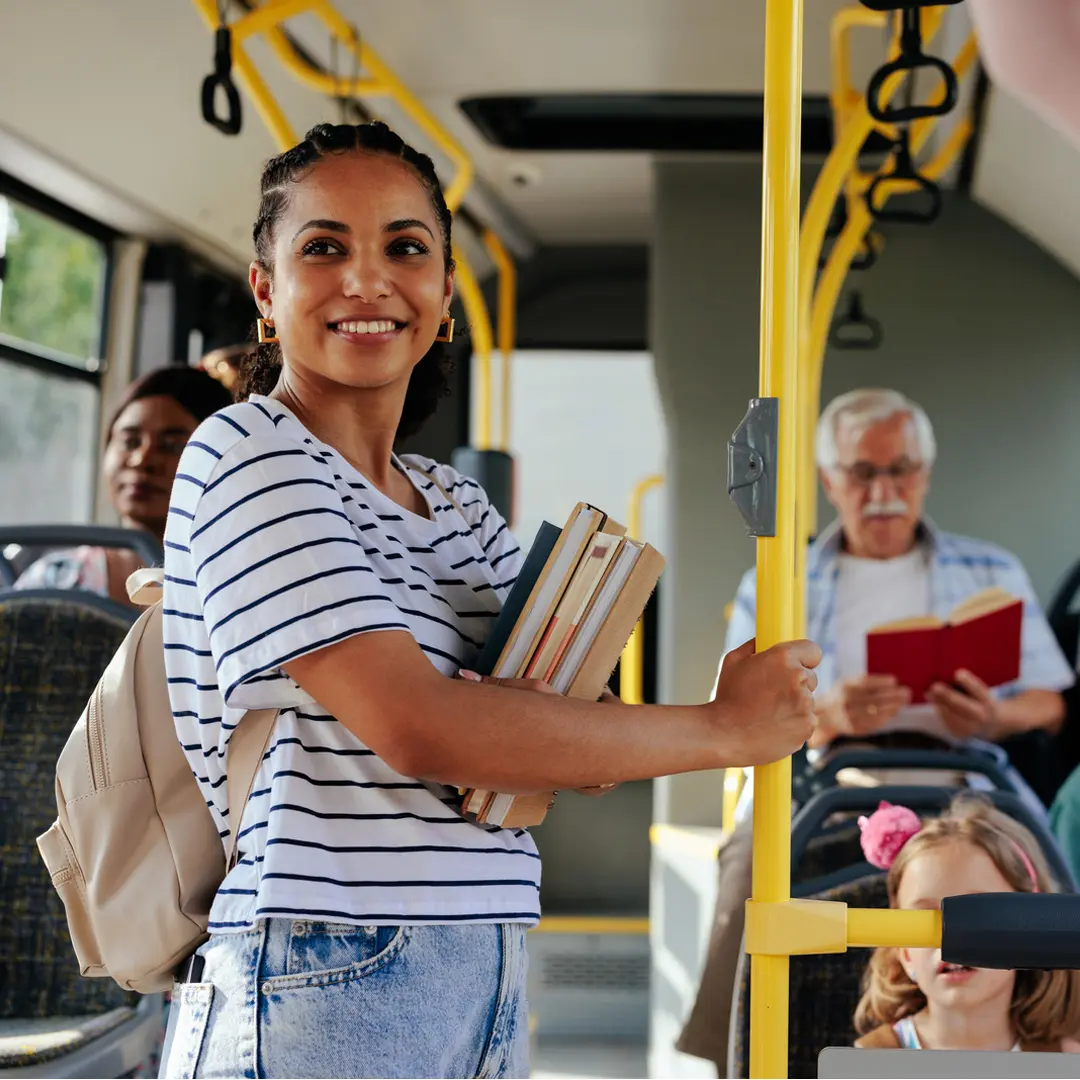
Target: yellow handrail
point(632, 662)
point(795, 320)
point(817, 306)
point(734, 779)
point(480, 328)
point(506, 326)
point(776, 554)
point(251, 81)
point(267, 19)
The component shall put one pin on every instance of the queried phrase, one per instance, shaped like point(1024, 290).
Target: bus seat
point(824, 992)
point(834, 846)
point(827, 987)
point(1063, 615)
point(54, 645)
point(814, 818)
point(28, 542)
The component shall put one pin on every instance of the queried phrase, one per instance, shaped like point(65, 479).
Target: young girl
point(914, 1001)
point(367, 927)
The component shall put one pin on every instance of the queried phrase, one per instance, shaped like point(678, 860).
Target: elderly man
point(881, 560)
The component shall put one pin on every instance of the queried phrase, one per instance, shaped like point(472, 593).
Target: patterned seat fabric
point(829, 852)
point(33, 1042)
point(824, 992)
point(52, 653)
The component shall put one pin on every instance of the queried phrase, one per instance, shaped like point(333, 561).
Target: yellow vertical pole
point(506, 325)
point(472, 300)
point(776, 555)
point(632, 662)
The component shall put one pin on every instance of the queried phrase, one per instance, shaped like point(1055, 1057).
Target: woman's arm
point(383, 688)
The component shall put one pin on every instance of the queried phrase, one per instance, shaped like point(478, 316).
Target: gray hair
point(864, 408)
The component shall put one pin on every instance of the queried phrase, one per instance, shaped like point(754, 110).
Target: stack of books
point(580, 593)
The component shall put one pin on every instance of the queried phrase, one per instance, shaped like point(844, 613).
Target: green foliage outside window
point(53, 287)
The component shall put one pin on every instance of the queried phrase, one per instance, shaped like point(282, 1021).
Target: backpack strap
point(435, 480)
point(252, 735)
point(145, 586)
point(247, 745)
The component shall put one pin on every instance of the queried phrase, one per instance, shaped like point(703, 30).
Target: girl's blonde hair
point(1045, 1004)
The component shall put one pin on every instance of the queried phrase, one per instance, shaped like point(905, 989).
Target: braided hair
point(260, 371)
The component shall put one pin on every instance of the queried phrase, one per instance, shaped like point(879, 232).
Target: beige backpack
point(134, 852)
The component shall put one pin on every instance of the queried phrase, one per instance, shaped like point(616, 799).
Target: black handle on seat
point(1012, 931)
point(57, 536)
point(916, 759)
point(221, 78)
point(835, 800)
point(855, 329)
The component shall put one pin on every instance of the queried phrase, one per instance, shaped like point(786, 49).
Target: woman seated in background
point(143, 443)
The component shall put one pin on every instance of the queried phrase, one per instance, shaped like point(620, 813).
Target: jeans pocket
point(191, 1004)
point(323, 953)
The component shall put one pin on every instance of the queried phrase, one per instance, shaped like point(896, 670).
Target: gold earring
point(446, 330)
point(267, 331)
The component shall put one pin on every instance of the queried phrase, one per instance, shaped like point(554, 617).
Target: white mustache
point(890, 508)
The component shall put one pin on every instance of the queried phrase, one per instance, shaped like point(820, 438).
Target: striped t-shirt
point(275, 547)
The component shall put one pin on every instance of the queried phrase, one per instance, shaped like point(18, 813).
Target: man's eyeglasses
point(864, 473)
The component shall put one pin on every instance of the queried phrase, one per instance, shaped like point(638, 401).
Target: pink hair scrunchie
point(885, 832)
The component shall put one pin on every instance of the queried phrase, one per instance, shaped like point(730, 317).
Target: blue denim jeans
point(316, 999)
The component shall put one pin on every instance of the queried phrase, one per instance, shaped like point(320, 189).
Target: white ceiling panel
point(107, 91)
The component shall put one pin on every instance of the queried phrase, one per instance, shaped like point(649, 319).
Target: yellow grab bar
point(381, 81)
point(480, 328)
point(506, 326)
point(776, 554)
point(843, 95)
point(632, 661)
point(251, 81)
point(817, 306)
point(734, 779)
point(267, 19)
point(810, 927)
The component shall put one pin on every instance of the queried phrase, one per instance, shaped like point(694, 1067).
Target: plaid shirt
point(959, 566)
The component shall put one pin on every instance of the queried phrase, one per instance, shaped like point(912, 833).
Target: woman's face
point(141, 458)
point(952, 869)
point(359, 285)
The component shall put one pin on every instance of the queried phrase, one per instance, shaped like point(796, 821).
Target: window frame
point(40, 357)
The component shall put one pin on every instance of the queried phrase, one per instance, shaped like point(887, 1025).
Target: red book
point(982, 635)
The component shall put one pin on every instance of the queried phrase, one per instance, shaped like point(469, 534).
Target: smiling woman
point(312, 570)
point(313, 263)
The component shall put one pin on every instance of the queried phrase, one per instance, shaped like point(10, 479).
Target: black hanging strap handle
point(911, 59)
point(868, 254)
point(893, 5)
point(855, 329)
point(904, 169)
point(221, 78)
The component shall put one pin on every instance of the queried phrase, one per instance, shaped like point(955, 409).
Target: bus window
point(48, 432)
point(52, 290)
